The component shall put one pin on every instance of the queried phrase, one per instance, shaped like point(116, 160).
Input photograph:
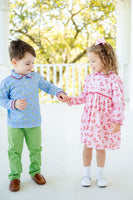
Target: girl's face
point(25, 65)
point(95, 62)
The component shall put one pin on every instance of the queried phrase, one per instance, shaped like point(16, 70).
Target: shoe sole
point(101, 186)
point(85, 185)
point(15, 190)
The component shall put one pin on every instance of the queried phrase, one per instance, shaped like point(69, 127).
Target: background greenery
point(61, 30)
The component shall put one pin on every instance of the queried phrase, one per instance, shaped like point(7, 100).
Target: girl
point(103, 111)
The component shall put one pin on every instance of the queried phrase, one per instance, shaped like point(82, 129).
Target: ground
point(62, 160)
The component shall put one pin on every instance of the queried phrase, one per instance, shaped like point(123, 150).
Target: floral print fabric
point(104, 104)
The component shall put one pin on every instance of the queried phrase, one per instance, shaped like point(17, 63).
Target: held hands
point(63, 97)
point(115, 127)
point(20, 104)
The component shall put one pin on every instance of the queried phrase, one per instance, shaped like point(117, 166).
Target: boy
point(19, 94)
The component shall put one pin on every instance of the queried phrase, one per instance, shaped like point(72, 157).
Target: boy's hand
point(20, 104)
point(115, 127)
point(63, 97)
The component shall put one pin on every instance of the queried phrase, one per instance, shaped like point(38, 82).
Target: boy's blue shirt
point(26, 87)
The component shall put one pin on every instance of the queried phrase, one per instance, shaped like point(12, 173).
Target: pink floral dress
point(104, 104)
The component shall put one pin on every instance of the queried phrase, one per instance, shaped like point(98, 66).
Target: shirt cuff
point(12, 104)
point(60, 93)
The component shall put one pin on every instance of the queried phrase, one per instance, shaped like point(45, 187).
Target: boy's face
point(25, 65)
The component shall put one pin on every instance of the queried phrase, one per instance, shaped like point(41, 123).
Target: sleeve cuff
point(117, 122)
point(12, 104)
point(60, 93)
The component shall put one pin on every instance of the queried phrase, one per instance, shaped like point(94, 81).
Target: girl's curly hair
point(107, 55)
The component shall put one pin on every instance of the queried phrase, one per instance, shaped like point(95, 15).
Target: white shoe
point(86, 181)
point(101, 182)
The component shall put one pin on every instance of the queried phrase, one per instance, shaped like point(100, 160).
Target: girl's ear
point(14, 62)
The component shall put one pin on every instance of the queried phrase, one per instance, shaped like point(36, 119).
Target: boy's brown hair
point(18, 48)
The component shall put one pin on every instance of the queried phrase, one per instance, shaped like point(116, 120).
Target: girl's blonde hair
point(107, 55)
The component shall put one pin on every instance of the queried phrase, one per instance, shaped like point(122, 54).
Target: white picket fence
point(70, 77)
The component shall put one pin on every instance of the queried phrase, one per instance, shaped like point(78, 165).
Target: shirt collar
point(18, 76)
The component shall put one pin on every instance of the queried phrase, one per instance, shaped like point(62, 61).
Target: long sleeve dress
point(104, 104)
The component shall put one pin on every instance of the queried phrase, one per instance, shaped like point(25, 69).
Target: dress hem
point(106, 148)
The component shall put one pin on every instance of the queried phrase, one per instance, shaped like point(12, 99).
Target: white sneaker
point(86, 181)
point(101, 182)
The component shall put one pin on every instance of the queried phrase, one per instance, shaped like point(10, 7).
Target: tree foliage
point(60, 31)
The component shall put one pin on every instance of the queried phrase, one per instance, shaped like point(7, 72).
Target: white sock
point(99, 172)
point(86, 171)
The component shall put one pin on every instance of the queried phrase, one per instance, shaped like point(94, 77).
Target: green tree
point(60, 31)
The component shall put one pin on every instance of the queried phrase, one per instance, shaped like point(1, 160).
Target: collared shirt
point(25, 87)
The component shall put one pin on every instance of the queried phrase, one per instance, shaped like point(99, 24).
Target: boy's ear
point(14, 62)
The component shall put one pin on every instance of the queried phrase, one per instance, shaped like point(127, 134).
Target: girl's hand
point(115, 127)
point(20, 104)
point(63, 97)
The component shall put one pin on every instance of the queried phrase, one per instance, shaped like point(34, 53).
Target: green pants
point(33, 140)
